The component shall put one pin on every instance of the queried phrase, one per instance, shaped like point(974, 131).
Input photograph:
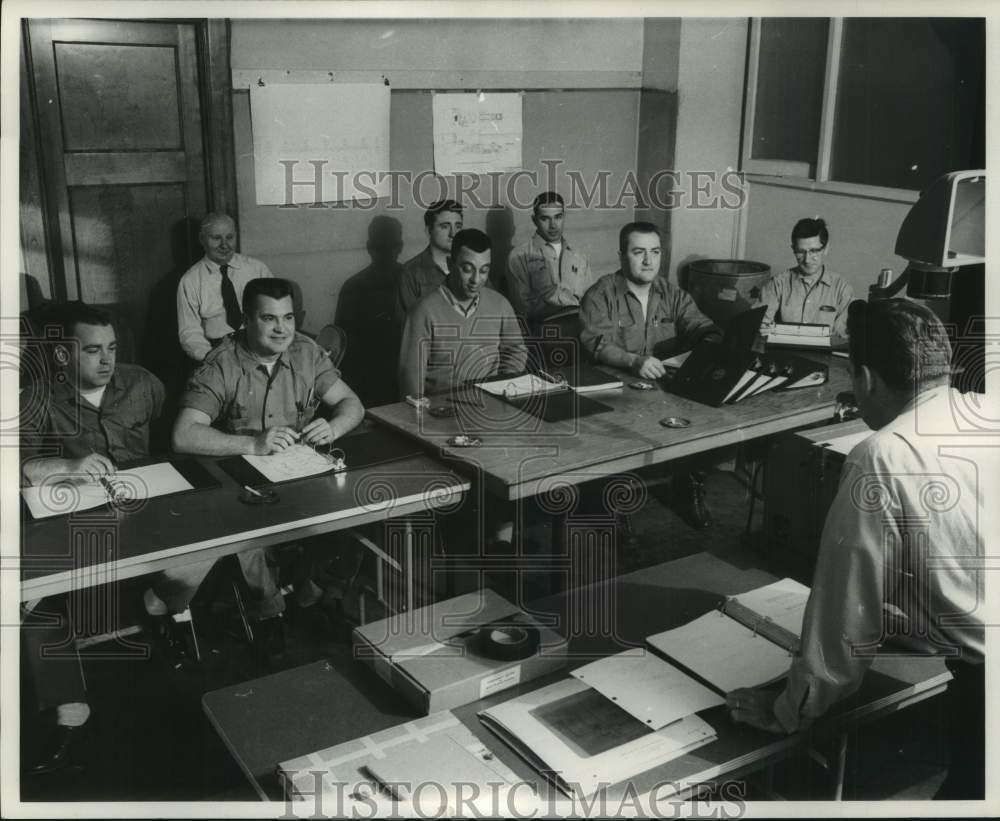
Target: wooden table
point(272, 719)
point(521, 456)
point(95, 547)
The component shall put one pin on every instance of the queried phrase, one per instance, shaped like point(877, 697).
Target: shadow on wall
point(500, 230)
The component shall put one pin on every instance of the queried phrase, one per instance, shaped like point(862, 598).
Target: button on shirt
point(71, 428)
point(234, 389)
point(201, 314)
point(541, 280)
point(904, 529)
point(615, 332)
point(820, 300)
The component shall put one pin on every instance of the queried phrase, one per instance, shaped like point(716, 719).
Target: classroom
point(504, 414)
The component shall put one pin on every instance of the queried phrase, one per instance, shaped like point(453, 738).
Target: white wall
point(709, 111)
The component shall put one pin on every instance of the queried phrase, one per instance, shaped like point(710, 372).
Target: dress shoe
point(691, 501)
point(170, 639)
point(58, 754)
point(269, 641)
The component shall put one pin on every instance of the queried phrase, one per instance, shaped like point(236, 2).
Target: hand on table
point(754, 707)
point(274, 440)
point(651, 368)
point(317, 432)
point(93, 467)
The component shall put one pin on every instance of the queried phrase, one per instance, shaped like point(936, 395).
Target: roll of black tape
point(508, 641)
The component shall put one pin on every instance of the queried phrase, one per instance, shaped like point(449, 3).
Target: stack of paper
point(800, 335)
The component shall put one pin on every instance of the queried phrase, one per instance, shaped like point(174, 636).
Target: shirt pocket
point(663, 337)
point(237, 418)
point(538, 275)
point(632, 334)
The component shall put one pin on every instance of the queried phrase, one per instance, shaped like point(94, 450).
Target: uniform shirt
point(898, 497)
point(615, 333)
point(71, 427)
point(420, 277)
point(446, 345)
point(201, 314)
point(822, 300)
point(541, 280)
point(234, 388)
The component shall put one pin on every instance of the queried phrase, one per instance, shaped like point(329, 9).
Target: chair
point(333, 340)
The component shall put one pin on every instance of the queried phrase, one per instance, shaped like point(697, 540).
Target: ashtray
point(441, 411)
point(675, 422)
point(464, 441)
point(642, 386)
point(258, 496)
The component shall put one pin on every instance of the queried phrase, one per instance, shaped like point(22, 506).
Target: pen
point(249, 489)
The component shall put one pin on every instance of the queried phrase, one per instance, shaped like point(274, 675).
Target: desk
point(521, 456)
point(98, 546)
point(289, 714)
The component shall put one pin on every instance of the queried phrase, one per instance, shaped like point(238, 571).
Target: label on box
point(728, 294)
point(500, 681)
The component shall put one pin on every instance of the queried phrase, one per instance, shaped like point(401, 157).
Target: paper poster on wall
point(320, 142)
point(477, 133)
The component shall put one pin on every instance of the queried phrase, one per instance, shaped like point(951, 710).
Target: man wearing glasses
point(809, 293)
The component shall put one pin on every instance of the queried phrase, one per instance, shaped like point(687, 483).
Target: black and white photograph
point(497, 410)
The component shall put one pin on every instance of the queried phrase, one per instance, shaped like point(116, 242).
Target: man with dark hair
point(94, 417)
point(427, 270)
point(546, 275)
point(210, 292)
point(463, 331)
point(898, 558)
point(633, 319)
point(258, 393)
point(809, 293)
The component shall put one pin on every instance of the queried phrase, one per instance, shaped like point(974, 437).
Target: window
point(885, 102)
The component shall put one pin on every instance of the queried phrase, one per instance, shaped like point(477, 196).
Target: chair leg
point(186, 616)
point(236, 577)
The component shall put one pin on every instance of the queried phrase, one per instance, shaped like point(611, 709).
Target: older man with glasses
point(810, 292)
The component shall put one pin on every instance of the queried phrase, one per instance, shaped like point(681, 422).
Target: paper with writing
point(295, 462)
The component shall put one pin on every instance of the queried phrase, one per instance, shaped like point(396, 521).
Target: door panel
point(121, 134)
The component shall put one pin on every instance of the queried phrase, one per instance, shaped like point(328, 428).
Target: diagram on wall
point(477, 133)
point(324, 142)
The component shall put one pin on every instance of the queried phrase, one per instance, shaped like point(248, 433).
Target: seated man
point(887, 506)
point(257, 393)
point(462, 331)
point(809, 293)
point(427, 270)
point(633, 319)
point(210, 292)
point(94, 417)
point(546, 275)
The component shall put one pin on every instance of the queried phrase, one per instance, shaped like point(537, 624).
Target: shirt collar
point(249, 362)
point(68, 393)
point(213, 266)
point(620, 281)
point(430, 263)
point(450, 297)
point(539, 242)
point(822, 279)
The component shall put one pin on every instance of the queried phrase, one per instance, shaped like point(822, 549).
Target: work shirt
point(420, 277)
point(904, 529)
point(71, 428)
point(615, 332)
point(540, 280)
point(201, 314)
point(234, 389)
point(445, 345)
point(820, 300)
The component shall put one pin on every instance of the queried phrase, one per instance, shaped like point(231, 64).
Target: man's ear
point(867, 378)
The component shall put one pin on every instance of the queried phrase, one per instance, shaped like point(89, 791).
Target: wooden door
point(120, 128)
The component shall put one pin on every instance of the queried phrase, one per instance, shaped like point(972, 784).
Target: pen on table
point(249, 489)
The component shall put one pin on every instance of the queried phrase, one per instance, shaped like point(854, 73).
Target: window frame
point(794, 174)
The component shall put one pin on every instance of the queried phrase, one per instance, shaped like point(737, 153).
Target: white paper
point(295, 462)
point(477, 133)
point(650, 689)
point(340, 130)
point(723, 652)
point(783, 602)
point(62, 494)
point(676, 361)
point(526, 385)
point(576, 773)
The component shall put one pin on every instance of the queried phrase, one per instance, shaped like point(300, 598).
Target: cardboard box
point(432, 656)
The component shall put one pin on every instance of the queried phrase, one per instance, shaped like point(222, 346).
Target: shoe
point(58, 753)
point(269, 641)
point(169, 638)
point(693, 507)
